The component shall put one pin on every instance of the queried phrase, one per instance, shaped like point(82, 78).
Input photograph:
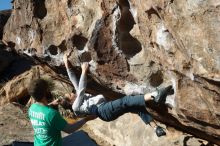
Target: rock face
point(14, 125)
point(16, 89)
point(126, 131)
point(133, 47)
point(4, 15)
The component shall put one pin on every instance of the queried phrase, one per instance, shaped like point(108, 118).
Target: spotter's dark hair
point(38, 89)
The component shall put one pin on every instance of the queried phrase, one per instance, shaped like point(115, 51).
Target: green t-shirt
point(47, 124)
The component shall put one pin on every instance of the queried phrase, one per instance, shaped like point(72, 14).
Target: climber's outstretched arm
point(70, 72)
point(81, 90)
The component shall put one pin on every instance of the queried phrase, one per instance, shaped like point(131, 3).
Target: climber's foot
point(160, 131)
point(162, 94)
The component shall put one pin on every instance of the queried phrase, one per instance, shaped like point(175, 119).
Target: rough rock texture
point(14, 125)
point(16, 90)
point(13, 64)
point(4, 15)
point(126, 131)
point(134, 46)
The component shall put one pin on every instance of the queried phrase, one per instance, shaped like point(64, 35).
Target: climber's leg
point(112, 110)
point(135, 104)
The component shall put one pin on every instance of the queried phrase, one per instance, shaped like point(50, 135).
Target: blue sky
point(5, 4)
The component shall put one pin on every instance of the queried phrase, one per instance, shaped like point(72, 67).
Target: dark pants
point(111, 110)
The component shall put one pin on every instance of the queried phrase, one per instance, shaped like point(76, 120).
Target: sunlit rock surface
point(133, 46)
point(14, 125)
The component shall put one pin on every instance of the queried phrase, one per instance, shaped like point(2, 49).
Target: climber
point(86, 104)
point(46, 121)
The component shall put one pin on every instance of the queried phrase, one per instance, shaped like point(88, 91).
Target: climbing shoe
point(160, 131)
point(162, 94)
